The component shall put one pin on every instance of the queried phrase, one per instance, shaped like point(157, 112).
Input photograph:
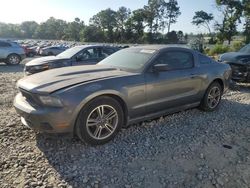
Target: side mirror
point(160, 67)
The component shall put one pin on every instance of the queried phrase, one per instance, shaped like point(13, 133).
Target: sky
point(17, 11)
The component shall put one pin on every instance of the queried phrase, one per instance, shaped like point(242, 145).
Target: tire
point(92, 127)
point(13, 59)
point(212, 97)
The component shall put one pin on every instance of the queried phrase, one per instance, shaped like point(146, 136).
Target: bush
point(218, 49)
point(237, 45)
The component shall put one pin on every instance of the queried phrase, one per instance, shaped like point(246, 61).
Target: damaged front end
point(240, 72)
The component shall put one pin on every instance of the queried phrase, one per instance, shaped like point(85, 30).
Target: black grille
point(238, 68)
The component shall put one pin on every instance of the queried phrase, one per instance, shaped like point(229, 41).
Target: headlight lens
point(51, 101)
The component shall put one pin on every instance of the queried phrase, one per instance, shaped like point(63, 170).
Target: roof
point(94, 45)
point(159, 47)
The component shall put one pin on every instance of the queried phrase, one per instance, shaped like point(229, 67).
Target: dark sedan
point(239, 62)
point(79, 55)
point(129, 86)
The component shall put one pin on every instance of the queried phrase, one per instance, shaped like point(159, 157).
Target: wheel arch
point(220, 81)
point(14, 54)
point(89, 99)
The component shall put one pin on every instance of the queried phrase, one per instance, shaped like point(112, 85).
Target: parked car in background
point(51, 50)
point(239, 62)
point(129, 86)
point(29, 51)
point(79, 55)
point(11, 52)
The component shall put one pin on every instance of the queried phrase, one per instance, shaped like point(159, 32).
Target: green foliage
point(218, 49)
point(108, 25)
point(237, 45)
point(202, 18)
point(232, 11)
point(172, 12)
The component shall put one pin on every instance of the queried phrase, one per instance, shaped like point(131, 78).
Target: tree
point(92, 34)
point(246, 8)
point(106, 20)
point(74, 29)
point(51, 29)
point(122, 16)
point(231, 11)
point(28, 28)
point(171, 13)
point(202, 18)
point(172, 37)
point(134, 25)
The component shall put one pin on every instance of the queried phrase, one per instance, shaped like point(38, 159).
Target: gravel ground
point(186, 149)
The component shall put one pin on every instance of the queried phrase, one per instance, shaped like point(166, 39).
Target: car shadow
point(11, 68)
point(114, 163)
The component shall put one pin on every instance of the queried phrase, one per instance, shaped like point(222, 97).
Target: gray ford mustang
point(131, 85)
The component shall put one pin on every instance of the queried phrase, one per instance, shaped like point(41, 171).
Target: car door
point(176, 86)
point(89, 56)
point(4, 49)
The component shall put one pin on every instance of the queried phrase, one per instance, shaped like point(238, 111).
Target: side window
point(88, 54)
point(4, 44)
point(204, 60)
point(176, 60)
point(105, 52)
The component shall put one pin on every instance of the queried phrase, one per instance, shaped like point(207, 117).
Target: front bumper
point(44, 119)
point(240, 73)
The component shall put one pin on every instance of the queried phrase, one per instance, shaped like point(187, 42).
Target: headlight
point(59, 64)
point(51, 101)
point(37, 67)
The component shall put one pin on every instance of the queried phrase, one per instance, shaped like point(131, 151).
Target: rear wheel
point(212, 97)
point(13, 59)
point(99, 121)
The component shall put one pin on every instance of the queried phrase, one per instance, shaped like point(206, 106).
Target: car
point(129, 86)
point(239, 62)
point(29, 51)
point(51, 50)
point(79, 55)
point(11, 53)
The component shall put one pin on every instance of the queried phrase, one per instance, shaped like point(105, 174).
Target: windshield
point(69, 53)
point(245, 49)
point(131, 59)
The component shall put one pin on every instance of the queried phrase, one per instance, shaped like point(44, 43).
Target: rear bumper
point(44, 119)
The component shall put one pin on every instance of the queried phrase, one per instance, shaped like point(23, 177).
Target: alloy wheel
point(102, 122)
point(214, 97)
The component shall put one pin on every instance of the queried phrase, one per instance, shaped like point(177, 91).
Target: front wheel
point(13, 59)
point(99, 121)
point(212, 97)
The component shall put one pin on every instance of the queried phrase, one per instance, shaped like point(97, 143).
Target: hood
point(42, 60)
point(232, 56)
point(56, 79)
